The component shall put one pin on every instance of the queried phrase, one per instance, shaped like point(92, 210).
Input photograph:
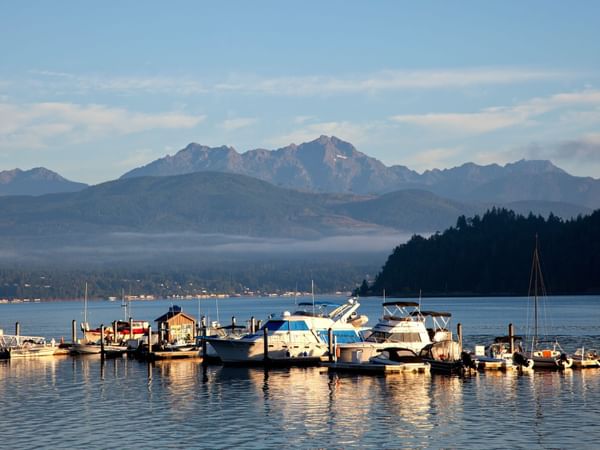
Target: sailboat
point(546, 354)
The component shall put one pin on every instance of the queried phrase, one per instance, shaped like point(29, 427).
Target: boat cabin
point(176, 325)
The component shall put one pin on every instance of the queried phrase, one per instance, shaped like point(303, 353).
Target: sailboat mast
point(85, 304)
point(536, 263)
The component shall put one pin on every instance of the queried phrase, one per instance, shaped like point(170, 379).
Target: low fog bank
point(180, 248)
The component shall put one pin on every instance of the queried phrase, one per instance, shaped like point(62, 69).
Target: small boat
point(399, 356)
point(179, 346)
point(16, 346)
point(95, 348)
point(546, 354)
point(585, 358)
point(445, 357)
point(498, 355)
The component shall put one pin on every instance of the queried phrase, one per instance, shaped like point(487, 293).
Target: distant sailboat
point(546, 354)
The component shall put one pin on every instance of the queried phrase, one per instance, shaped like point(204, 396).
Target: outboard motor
point(468, 361)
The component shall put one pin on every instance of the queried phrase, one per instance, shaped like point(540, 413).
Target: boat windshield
point(381, 336)
point(285, 325)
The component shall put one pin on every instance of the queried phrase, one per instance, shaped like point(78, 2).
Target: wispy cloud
point(237, 123)
point(433, 158)
point(494, 118)
point(308, 85)
point(356, 133)
point(32, 125)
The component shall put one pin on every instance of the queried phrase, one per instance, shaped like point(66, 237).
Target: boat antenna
point(217, 306)
point(85, 303)
point(383, 295)
point(419, 299)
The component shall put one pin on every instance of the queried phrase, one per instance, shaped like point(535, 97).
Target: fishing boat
point(295, 338)
point(545, 353)
point(401, 325)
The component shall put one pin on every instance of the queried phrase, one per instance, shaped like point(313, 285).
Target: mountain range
point(329, 164)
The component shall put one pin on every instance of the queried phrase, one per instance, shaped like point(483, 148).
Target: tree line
point(492, 255)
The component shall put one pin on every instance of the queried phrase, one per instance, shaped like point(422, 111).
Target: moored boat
point(545, 353)
point(301, 337)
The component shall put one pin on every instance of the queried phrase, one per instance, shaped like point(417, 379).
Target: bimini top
point(401, 304)
point(431, 313)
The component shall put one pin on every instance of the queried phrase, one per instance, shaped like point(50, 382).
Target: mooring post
point(149, 340)
point(330, 342)
point(511, 337)
point(102, 341)
point(459, 333)
point(252, 325)
point(114, 325)
point(17, 329)
point(73, 331)
point(204, 332)
point(232, 324)
point(131, 328)
point(258, 324)
point(265, 344)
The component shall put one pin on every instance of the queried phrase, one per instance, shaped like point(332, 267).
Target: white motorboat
point(294, 338)
point(16, 346)
point(403, 324)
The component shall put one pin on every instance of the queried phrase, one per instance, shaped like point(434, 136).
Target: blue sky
point(92, 90)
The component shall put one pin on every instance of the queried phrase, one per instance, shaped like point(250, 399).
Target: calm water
point(66, 402)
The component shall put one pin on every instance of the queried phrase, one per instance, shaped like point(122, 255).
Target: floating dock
point(377, 369)
point(162, 355)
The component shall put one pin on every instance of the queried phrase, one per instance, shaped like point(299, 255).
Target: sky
point(94, 89)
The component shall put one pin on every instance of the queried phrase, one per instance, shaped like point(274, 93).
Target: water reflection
point(185, 404)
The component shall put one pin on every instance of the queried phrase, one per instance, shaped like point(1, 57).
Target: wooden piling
point(511, 337)
point(114, 335)
point(258, 324)
point(131, 328)
point(204, 332)
point(265, 344)
point(330, 343)
point(102, 341)
point(17, 329)
point(149, 339)
point(73, 331)
point(459, 333)
point(232, 323)
point(252, 325)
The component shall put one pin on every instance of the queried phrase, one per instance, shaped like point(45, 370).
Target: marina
point(415, 400)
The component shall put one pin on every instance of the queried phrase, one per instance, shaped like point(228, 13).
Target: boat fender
point(563, 361)
point(338, 351)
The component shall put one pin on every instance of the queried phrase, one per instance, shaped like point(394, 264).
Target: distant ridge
point(329, 164)
point(37, 181)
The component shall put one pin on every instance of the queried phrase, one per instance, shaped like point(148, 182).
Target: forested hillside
point(492, 254)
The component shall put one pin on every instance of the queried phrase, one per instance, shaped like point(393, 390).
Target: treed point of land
point(492, 254)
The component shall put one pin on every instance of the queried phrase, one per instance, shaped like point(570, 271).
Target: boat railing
point(13, 341)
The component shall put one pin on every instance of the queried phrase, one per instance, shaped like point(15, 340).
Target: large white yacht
point(295, 338)
point(402, 325)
